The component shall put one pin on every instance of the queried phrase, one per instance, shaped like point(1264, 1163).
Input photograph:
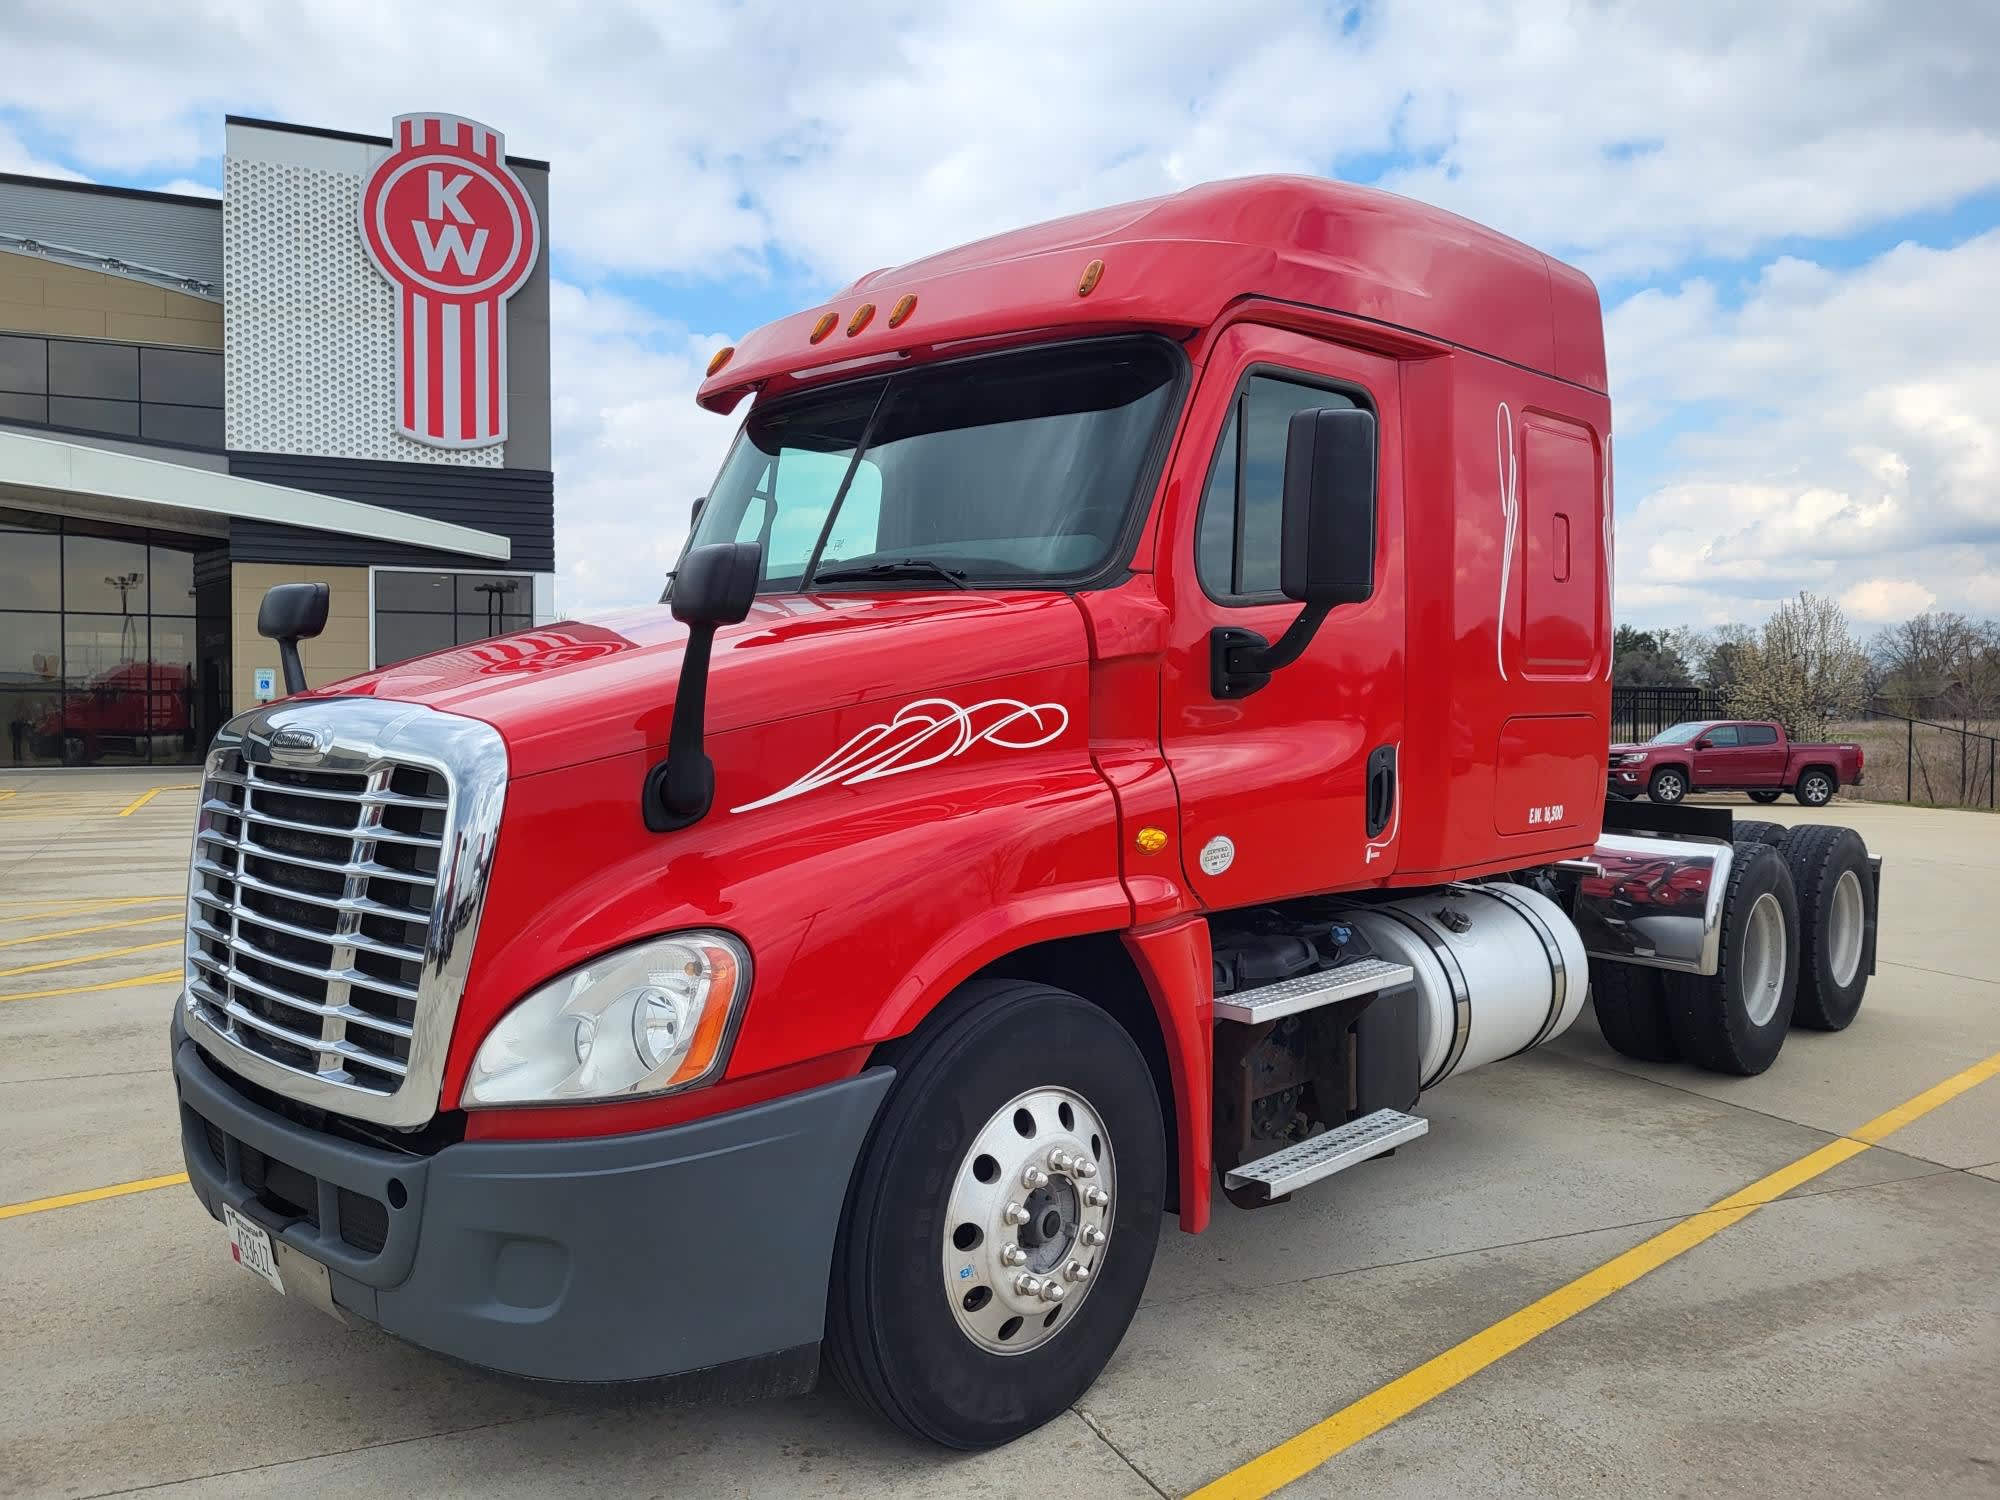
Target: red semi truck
point(1733, 755)
point(1129, 719)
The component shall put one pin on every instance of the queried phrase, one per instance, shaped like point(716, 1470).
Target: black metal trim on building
point(351, 135)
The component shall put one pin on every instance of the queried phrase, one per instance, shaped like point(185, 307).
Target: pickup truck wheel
point(1767, 798)
point(1735, 1020)
point(1815, 789)
point(1829, 866)
point(1758, 831)
point(1668, 785)
point(1002, 1220)
point(1632, 1012)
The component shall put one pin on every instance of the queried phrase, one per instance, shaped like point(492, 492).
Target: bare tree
point(1804, 668)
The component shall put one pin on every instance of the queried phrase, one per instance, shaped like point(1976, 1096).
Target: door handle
point(1381, 788)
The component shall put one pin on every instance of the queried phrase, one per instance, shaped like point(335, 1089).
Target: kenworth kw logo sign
point(449, 224)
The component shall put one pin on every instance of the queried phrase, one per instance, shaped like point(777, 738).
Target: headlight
point(647, 1019)
point(1631, 760)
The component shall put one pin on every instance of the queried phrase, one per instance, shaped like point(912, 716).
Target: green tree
point(1646, 658)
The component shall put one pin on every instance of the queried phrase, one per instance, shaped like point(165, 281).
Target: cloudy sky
point(1791, 210)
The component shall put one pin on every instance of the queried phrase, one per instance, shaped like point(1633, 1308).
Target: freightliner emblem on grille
point(303, 743)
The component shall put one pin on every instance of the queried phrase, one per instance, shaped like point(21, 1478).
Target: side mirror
point(1326, 543)
point(290, 613)
point(1327, 555)
point(716, 585)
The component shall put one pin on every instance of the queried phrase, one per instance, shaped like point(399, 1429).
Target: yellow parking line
point(90, 1195)
point(88, 958)
point(48, 937)
point(85, 906)
point(109, 984)
point(1299, 1456)
point(149, 794)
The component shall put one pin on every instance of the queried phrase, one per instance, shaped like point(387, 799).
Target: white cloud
point(1850, 436)
point(1883, 601)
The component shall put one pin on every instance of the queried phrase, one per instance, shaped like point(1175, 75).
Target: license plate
point(250, 1247)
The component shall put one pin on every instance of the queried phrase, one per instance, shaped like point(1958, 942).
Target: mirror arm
point(1292, 644)
point(680, 788)
point(295, 670)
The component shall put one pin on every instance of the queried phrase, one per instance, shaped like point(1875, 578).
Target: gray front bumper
point(613, 1258)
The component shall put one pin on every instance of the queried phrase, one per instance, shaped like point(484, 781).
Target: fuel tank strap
point(1558, 970)
point(1461, 993)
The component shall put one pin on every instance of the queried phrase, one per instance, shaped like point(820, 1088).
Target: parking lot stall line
point(109, 984)
point(90, 1195)
point(80, 906)
point(49, 937)
point(1298, 1456)
point(148, 795)
point(88, 958)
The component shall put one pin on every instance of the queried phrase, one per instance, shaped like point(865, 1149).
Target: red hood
point(1634, 749)
point(575, 692)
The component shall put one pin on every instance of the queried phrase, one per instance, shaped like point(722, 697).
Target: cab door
point(1719, 759)
point(1293, 788)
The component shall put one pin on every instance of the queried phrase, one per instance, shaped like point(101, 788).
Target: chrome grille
point(333, 897)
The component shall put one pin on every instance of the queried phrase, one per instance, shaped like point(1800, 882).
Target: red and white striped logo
point(449, 224)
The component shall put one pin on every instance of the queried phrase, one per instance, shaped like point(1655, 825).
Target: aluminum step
point(1305, 992)
point(1330, 1151)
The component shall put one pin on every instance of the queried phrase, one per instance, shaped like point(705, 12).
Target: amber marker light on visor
point(720, 358)
point(1091, 275)
point(824, 326)
point(900, 313)
point(860, 319)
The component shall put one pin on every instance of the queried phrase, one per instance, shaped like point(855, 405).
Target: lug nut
point(1095, 1197)
point(1013, 1255)
point(1060, 1161)
point(1054, 1291)
point(1085, 1168)
point(1014, 1214)
point(1034, 1177)
point(1076, 1270)
point(1093, 1237)
point(1028, 1286)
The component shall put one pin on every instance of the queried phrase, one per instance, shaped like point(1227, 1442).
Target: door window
point(1238, 535)
point(1723, 738)
point(1757, 734)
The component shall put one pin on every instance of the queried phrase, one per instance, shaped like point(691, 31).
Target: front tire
point(1766, 797)
point(1669, 785)
point(932, 1320)
point(1815, 789)
point(1735, 1020)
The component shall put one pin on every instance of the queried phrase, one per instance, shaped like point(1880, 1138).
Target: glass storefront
point(114, 643)
point(418, 612)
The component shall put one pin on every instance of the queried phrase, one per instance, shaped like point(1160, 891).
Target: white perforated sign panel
point(309, 327)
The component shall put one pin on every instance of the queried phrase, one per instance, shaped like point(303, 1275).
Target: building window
point(420, 612)
point(144, 391)
point(114, 643)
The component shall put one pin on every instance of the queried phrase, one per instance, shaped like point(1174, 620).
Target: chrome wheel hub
point(1847, 928)
point(1028, 1220)
point(1764, 959)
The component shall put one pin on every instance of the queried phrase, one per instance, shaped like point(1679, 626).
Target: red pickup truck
point(1732, 755)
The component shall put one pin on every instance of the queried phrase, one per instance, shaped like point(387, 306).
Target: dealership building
point(337, 372)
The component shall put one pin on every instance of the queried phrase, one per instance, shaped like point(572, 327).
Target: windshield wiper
point(908, 567)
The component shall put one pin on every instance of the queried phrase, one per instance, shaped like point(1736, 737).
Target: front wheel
point(1002, 1220)
point(1767, 798)
point(1815, 789)
point(1668, 785)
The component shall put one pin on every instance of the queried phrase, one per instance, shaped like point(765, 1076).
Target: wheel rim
point(1029, 1220)
point(1816, 791)
point(1670, 787)
point(1764, 959)
point(1846, 925)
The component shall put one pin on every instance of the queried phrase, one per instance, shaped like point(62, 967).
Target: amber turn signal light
point(720, 358)
point(860, 319)
point(1091, 274)
point(900, 313)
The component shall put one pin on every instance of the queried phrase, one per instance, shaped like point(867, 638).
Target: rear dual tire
point(1735, 1020)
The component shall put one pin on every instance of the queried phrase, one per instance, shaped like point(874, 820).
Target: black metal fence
point(1639, 713)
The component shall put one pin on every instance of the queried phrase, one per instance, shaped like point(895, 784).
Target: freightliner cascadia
point(1130, 718)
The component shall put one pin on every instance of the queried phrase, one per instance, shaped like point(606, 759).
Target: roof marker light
point(1091, 274)
point(900, 313)
point(720, 358)
point(824, 326)
point(860, 319)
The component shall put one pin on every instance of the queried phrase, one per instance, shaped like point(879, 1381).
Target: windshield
point(1680, 734)
point(1006, 468)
